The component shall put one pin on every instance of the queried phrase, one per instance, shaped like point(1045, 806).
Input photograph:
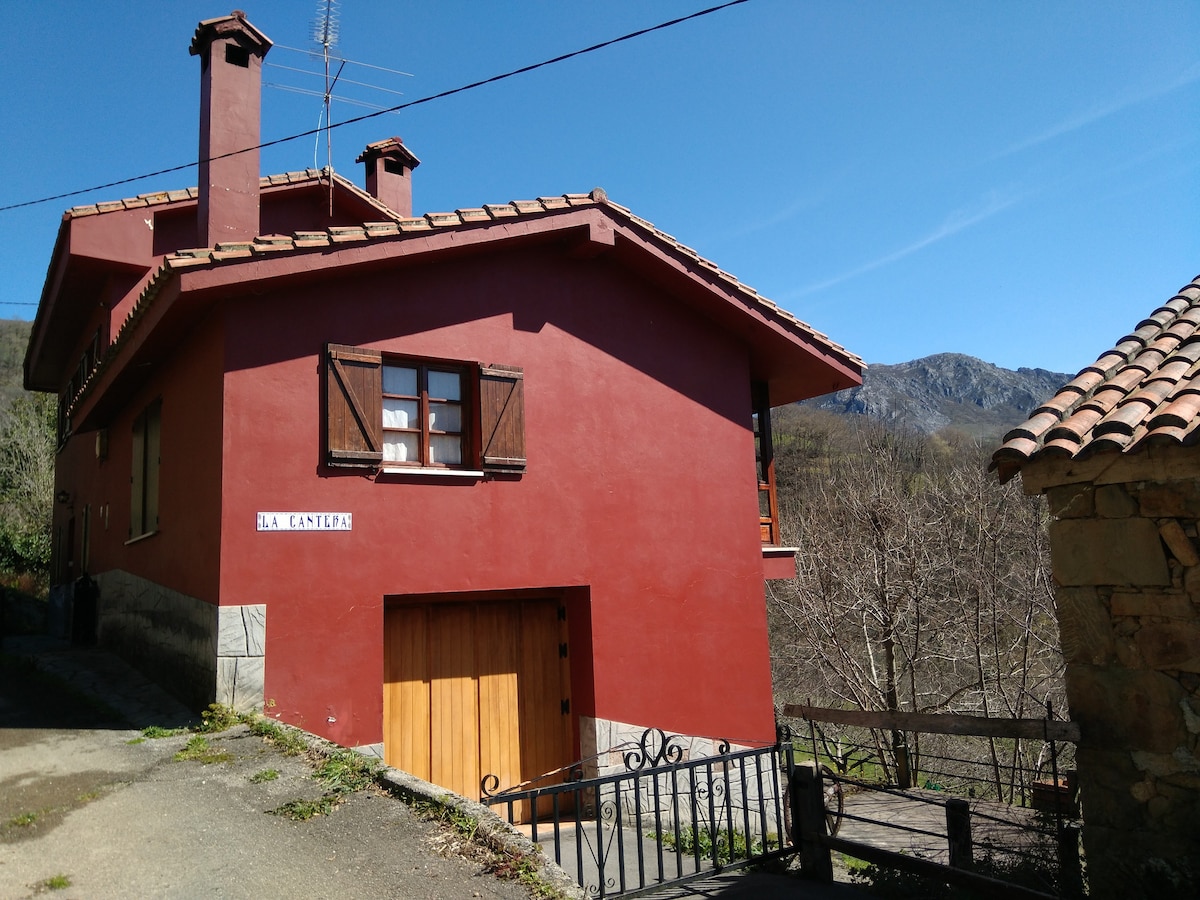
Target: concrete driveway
point(87, 802)
point(89, 808)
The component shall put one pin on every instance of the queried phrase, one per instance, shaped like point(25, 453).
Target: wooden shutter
point(502, 418)
point(353, 406)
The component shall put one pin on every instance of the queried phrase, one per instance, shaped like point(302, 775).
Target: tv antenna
point(325, 34)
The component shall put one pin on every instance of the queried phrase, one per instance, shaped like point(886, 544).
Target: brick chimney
point(231, 52)
point(389, 174)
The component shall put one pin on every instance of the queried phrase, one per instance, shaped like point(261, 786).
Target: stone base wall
point(1126, 561)
point(199, 652)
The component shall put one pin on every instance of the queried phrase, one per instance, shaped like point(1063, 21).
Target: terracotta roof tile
point(397, 228)
point(1179, 413)
point(407, 225)
point(1145, 391)
point(1033, 428)
point(267, 181)
point(501, 210)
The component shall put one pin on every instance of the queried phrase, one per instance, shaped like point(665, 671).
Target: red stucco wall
point(184, 554)
point(640, 488)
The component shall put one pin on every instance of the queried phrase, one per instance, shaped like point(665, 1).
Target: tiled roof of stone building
point(1146, 390)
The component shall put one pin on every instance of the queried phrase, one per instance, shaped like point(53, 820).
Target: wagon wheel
point(834, 800)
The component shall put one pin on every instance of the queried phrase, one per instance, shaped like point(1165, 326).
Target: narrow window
point(143, 496)
point(764, 457)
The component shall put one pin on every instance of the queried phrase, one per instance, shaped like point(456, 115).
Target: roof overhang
point(795, 361)
point(87, 266)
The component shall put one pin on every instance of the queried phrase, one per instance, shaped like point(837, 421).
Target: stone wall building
point(1115, 454)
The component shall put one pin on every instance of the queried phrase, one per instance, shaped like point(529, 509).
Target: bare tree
point(921, 583)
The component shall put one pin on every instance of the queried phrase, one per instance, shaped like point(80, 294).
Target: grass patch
point(496, 859)
point(136, 740)
point(264, 775)
point(24, 820)
point(53, 883)
point(303, 810)
point(344, 772)
point(288, 742)
point(198, 749)
point(724, 846)
point(451, 816)
point(154, 732)
point(218, 718)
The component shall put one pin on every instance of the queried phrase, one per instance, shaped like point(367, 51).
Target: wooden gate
point(476, 688)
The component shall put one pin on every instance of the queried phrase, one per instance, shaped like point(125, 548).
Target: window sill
point(436, 473)
point(779, 563)
point(141, 537)
point(771, 551)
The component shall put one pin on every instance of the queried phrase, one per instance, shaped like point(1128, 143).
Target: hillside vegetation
point(922, 583)
point(26, 466)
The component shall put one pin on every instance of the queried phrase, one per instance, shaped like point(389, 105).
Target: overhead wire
point(393, 109)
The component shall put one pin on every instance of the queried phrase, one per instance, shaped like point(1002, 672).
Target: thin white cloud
point(1124, 100)
point(957, 221)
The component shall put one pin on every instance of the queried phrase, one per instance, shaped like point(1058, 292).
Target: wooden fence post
point(808, 812)
point(958, 831)
point(903, 766)
point(1070, 872)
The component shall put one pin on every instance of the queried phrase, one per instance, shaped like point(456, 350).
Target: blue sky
point(1017, 181)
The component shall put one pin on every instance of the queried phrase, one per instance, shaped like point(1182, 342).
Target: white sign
point(303, 521)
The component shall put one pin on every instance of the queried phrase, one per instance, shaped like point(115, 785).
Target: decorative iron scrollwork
point(723, 747)
point(645, 756)
point(488, 785)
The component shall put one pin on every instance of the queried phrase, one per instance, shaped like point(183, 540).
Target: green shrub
point(730, 843)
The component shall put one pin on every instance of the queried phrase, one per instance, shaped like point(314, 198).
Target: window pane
point(445, 417)
point(445, 449)
point(400, 413)
point(400, 380)
point(400, 447)
point(445, 385)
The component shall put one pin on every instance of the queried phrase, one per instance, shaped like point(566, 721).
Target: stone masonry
point(199, 652)
point(1126, 562)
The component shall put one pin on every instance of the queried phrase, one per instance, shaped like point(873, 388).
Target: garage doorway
point(476, 688)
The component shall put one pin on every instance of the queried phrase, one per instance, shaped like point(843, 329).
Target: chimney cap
point(224, 26)
point(390, 148)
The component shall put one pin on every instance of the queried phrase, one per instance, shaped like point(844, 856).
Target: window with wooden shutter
point(502, 418)
point(353, 406)
point(390, 412)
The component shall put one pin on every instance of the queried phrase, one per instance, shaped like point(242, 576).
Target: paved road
point(82, 797)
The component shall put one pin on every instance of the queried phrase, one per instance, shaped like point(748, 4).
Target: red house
point(477, 488)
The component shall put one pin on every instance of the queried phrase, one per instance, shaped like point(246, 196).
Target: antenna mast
point(325, 34)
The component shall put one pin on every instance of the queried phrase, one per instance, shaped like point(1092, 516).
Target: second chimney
point(389, 174)
point(231, 52)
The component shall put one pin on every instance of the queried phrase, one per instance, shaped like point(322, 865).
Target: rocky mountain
point(948, 390)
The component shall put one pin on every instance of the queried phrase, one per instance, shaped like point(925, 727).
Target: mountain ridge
point(946, 390)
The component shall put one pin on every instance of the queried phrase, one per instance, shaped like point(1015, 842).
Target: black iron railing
point(665, 819)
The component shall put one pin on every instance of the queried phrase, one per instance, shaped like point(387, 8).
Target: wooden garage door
point(472, 689)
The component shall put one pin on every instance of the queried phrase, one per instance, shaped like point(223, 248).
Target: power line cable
point(439, 96)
